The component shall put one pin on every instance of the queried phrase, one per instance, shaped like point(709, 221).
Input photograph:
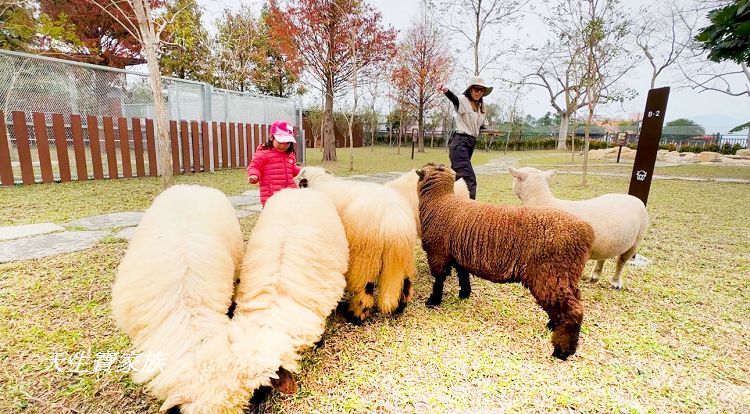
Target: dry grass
point(676, 339)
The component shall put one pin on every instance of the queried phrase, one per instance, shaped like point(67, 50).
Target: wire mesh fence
point(100, 101)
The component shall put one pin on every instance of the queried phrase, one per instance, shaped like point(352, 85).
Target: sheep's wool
point(176, 282)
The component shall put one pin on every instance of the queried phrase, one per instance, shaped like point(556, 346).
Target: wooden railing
point(127, 143)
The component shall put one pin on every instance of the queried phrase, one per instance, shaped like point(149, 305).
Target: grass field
point(675, 339)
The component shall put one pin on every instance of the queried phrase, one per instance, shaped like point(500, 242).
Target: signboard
point(622, 139)
point(648, 143)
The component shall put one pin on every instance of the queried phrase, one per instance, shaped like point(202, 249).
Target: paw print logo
point(640, 175)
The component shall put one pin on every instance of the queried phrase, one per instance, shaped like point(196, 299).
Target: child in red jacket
point(274, 165)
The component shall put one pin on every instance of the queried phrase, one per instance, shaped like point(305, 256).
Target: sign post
point(621, 140)
point(648, 143)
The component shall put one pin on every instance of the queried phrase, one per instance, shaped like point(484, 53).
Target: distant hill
point(717, 122)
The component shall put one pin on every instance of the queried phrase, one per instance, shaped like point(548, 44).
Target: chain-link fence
point(52, 86)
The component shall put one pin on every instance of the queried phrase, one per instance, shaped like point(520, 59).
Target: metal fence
point(47, 85)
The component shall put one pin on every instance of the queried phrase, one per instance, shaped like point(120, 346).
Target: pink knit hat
point(283, 132)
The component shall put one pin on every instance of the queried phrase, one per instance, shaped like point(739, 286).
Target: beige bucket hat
point(477, 81)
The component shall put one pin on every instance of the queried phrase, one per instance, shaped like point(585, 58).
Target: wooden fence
point(127, 143)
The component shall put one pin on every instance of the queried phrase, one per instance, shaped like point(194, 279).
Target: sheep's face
point(528, 179)
point(309, 176)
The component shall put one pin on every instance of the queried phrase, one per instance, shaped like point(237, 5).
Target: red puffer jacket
point(275, 171)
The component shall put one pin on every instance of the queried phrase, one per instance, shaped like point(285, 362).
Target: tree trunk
point(420, 125)
point(400, 133)
point(586, 138)
point(165, 151)
point(562, 135)
point(327, 128)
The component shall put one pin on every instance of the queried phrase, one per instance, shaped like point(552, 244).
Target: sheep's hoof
point(464, 294)
point(400, 309)
point(343, 310)
point(560, 354)
point(433, 302)
point(617, 286)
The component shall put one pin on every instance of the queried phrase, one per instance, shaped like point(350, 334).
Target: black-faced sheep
point(543, 249)
point(381, 231)
point(176, 281)
point(619, 221)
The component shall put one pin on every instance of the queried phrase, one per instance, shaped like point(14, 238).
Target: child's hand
point(253, 179)
point(441, 88)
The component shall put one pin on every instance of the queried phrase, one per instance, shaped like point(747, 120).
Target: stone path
point(33, 241)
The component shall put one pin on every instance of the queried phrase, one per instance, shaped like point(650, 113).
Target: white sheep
point(619, 221)
point(293, 272)
point(175, 284)
point(381, 230)
point(292, 278)
point(406, 185)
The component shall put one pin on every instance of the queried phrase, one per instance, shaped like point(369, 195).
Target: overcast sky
point(716, 111)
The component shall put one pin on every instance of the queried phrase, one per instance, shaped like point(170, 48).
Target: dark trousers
point(460, 150)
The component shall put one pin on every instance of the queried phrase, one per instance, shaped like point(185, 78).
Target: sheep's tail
point(394, 284)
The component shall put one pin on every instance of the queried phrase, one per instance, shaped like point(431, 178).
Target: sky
point(716, 111)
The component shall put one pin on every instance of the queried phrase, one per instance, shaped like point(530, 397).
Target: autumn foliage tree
point(277, 68)
point(423, 62)
point(321, 31)
point(103, 40)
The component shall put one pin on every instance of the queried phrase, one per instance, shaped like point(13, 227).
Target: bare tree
point(474, 20)
point(355, 94)
point(662, 33)
point(603, 28)
point(703, 75)
point(147, 27)
point(560, 66)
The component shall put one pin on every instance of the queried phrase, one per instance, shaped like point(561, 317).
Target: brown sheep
point(542, 248)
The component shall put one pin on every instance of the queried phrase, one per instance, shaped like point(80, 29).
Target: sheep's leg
point(621, 261)
point(406, 294)
point(597, 273)
point(464, 282)
point(440, 269)
point(360, 281)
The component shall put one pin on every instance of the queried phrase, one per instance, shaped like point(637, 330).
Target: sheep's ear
point(517, 174)
point(174, 401)
point(420, 173)
point(550, 174)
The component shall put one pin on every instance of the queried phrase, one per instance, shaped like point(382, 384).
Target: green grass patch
point(675, 339)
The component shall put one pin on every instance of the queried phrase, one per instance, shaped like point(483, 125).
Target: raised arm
point(448, 94)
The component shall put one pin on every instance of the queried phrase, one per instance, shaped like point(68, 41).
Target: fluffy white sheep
point(175, 284)
point(381, 231)
point(292, 278)
point(619, 221)
point(406, 185)
point(293, 272)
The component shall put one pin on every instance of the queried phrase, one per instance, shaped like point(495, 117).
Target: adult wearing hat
point(470, 119)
